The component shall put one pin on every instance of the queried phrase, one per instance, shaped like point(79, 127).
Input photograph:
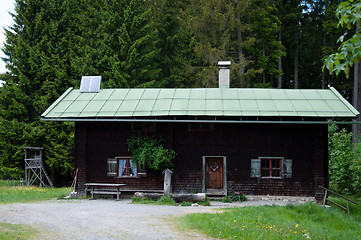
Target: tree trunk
point(153, 196)
point(280, 61)
point(240, 52)
point(356, 128)
point(323, 80)
point(189, 197)
point(264, 72)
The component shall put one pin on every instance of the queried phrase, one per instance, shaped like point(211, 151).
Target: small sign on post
point(167, 181)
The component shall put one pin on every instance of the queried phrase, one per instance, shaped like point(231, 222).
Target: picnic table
point(105, 188)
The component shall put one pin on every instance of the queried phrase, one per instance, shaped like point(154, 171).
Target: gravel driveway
point(106, 218)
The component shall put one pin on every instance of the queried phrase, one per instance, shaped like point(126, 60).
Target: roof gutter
point(193, 121)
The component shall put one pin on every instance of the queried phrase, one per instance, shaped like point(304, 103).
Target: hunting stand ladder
point(34, 169)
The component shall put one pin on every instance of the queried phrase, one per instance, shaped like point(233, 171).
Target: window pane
point(276, 163)
point(276, 173)
point(122, 167)
point(131, 172)
point(263, 163)
point(267, 164)
point(133, 168)
point(265, 173)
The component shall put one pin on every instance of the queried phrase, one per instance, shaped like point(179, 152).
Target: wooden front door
point(214, 175)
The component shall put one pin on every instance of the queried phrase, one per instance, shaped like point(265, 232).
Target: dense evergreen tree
point(245, 32)
point(50, 46)
point(154, 43)
point(38, 47)
point(115, 39)
point(290, 14)
point(267, 49)
point(175, 43)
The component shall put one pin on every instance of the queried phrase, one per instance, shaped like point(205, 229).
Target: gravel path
point(108, 219)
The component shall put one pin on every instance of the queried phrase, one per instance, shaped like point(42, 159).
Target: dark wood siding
point(305, 144)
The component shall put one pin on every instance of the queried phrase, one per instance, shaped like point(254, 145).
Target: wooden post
point(167, 181)
point(324, 199)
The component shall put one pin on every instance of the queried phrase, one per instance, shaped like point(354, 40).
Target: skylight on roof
point(90, 83)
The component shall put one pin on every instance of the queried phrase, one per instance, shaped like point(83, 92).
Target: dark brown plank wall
point(305, 144)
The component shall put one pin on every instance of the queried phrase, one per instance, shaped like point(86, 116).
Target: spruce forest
point(152, 43)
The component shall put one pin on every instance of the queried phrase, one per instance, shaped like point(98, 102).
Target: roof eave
point(344, 101)
point(57, 102)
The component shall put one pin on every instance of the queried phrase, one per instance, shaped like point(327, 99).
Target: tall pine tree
point(38, 47)
point(50, 46)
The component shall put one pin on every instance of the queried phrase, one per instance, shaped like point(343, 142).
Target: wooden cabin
point(255, 141)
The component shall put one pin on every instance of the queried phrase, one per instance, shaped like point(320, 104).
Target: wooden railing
point(326, 199)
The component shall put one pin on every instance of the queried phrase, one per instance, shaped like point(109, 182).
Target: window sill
point(128, 177)
point(271, 178)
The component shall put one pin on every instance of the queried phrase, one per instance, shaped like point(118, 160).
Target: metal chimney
point(224, 73)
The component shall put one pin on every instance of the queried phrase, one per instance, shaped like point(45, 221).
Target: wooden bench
point(105, 188)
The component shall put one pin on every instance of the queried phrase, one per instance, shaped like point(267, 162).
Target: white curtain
point(133, 167)
point(122, 167)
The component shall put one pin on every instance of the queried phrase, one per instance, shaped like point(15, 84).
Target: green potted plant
point(149, 153)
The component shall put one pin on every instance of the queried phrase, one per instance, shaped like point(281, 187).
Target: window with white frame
point(271, 167)
point(121, 167)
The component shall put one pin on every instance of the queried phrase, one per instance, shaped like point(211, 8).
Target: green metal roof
point(119, 103)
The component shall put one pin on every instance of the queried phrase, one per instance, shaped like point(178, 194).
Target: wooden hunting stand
point(34, 169)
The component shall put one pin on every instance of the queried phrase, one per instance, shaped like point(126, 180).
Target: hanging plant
point(149, 153)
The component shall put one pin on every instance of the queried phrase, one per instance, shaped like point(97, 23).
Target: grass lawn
point(166, 201)
point(21, 194)
point(308, 221)
point(28, 193)
point(16, 231)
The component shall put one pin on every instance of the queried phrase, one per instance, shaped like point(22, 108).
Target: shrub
point(226, 199)
point(241, 197)
point(356, 168)
point(344, 161)
point(148, 152)
point(234, 198)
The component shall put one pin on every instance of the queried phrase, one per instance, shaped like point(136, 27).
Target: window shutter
point(287, 168)
point(255, 168)
point(112, 167)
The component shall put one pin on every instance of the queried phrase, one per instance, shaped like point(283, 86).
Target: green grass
point(21, 194)
point(162, 201)
point(232, 198)
point(275, 222)
point(166, 201)
point(29, 194)
point(17, 231)
point(10, 183)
